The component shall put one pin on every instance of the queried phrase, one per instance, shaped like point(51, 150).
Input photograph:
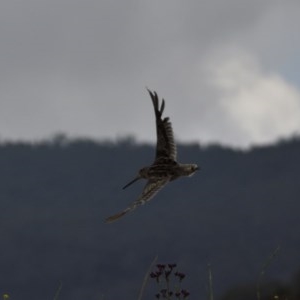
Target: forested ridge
point(55, 195)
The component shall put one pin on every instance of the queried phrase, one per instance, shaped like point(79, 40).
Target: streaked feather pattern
point(165, 145)
point(150, 190)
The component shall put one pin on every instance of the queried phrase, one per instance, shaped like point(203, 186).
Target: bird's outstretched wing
point(150, 190)
point(165, 146)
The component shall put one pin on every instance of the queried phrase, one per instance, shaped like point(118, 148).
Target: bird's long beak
point(131, 182)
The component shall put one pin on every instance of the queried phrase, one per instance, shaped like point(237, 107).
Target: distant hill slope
point(54, 197)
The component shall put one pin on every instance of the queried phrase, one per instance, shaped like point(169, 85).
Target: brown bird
point(165, 168)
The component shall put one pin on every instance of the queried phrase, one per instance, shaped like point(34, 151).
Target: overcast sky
point(228, 70)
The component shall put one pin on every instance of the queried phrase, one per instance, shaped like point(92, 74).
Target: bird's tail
point(117, 216)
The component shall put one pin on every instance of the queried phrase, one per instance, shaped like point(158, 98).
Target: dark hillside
point(54, 197)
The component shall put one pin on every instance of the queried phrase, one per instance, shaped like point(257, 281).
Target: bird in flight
point(165, 168)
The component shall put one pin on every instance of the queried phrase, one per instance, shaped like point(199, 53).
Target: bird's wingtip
point(115, 217)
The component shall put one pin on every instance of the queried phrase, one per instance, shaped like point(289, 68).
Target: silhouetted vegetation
point(54, 196)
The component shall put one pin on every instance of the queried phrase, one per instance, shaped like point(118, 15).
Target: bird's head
point(192, 168)
point(143, 172)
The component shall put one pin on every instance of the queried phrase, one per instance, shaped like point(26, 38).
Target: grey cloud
point(82, 67)
point(112, 37)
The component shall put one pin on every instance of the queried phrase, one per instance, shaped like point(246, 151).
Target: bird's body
point(165, 168)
